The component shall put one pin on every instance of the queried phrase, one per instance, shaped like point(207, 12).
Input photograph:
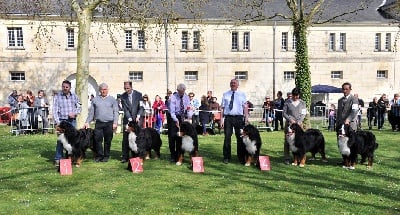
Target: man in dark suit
point(347, 108)
point(130, 101)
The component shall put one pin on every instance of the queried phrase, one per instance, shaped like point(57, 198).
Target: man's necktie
point(232, 98)
point(181, 105)
point(130, 98)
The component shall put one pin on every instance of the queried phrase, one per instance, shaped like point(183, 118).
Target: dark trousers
point(174, 141)
point(236, 123)
point(278, 120)
point(103, 131)
point(381, 118)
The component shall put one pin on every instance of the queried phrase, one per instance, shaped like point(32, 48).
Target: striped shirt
point(63, 105)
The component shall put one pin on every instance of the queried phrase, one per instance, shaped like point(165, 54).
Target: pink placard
point(264, 163)
point(198, 164)
point(136, 165)
point(65, 167)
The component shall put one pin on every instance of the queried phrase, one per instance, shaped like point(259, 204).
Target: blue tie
point(232, 98)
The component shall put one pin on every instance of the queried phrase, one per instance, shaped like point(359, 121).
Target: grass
point(29, 183)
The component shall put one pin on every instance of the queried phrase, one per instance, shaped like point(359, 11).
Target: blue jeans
point(158, 124)
point(60, 147)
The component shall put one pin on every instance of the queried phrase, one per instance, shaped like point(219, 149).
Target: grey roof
point(219, 9)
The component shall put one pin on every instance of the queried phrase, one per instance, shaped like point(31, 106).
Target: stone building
point(358, 48)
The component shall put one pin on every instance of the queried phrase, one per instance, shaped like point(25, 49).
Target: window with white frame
point(241, 75)
point(70, 38)
point(184, 39)
point(342, 42)
point(388, 42)
point(382, 74)
point(284, 41)
point(240, 41)
point(17, 76)
point(196, 40)
point(378, 42)
point(246, 41)
point(294, 42)
point(191, 75)
point(332, 42)
point(128, 39)
point(336, 74)
point(136, 75)
point(141, 39)
point(235, 38)
point(15, 37)
point(289, 75)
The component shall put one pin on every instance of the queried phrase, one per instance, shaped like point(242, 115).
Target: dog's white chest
point(343, 147)
point(187, 143)
point(132, 142)
point(67, 146)
point(251, 146)
point(290, 138)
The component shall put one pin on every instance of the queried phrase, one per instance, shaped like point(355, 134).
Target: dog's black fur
point(301, 142)
point(252, 141)
point(190, 142)
point(76, 141)
point(199, 130)
point(359, 142)
point(147, 139)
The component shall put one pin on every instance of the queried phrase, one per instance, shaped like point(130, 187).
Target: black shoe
point(105, 159)
point(124, 161)
point(226, 161)
point(340, 163)
point(98, 160)
point(287, 162)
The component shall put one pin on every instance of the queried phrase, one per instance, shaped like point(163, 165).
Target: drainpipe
point(166, 53)
point(273, 62)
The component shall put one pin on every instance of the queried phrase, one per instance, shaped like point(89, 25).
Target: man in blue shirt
point(235, 116)
point(179, 109)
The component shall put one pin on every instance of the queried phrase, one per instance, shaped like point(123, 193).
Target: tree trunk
point(303, 75)
point(83, 60)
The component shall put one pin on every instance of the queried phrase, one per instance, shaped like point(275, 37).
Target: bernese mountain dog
point(301, 142)
point(252, 141)
point(190, 143)
point(351, 143)
point(143, 140)
point(76, 141)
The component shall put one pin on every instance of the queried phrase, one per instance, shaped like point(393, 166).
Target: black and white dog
point(143, 140)
point(301, 142)
point(190, 143)
point(75, 141)
point(252, 141)
point(351, 143)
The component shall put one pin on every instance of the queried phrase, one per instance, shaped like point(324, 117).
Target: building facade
point(40, 55)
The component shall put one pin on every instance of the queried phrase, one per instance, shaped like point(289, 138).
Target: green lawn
point(29, 183)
